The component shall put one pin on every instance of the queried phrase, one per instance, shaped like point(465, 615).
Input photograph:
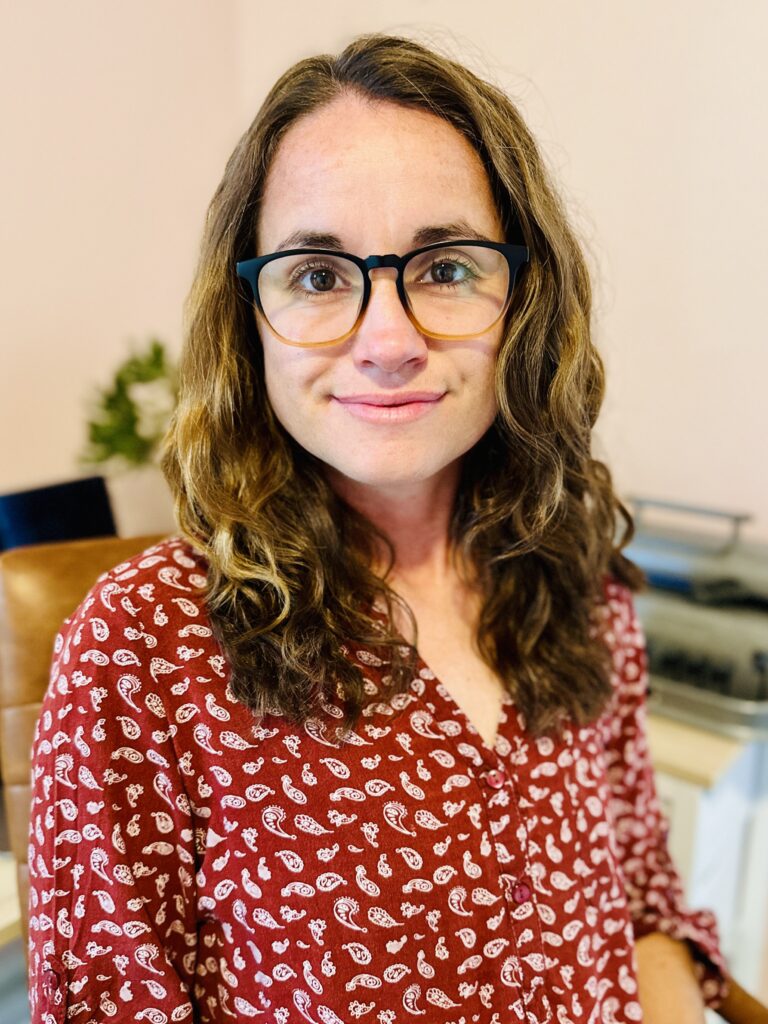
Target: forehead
point(371, 172)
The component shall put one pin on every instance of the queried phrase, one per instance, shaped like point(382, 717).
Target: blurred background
point(117, 121)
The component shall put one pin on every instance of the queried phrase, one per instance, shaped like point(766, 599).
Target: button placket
point(516, 890)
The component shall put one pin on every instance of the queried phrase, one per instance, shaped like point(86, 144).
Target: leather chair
point(40, 585)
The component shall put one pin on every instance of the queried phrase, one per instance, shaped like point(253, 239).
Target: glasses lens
point(457, 291)
point(311, 298)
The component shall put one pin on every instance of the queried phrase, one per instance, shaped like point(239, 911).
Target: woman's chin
point(389, 476)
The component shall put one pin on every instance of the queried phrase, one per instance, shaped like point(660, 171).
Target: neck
point(415, 517)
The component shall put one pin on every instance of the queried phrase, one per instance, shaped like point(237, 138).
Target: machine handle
point(736, 519)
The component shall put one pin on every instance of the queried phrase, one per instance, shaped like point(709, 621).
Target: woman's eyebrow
point(302, 238)
point(444, 232)
point(310, 240)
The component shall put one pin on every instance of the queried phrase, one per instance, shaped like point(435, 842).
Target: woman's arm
point(655, 892)
point(672, 980)
point(112, 915)
point(670, 992)
point(669, 989)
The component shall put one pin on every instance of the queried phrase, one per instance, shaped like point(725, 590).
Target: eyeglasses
point(449, 290)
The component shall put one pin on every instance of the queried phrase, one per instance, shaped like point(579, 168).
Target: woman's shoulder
point(624, 636)
point(144, 614)
point(140, 645)
point(167, 577)
point(616, 611)
point(170, 564)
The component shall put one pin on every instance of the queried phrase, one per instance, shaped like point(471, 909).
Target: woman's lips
point(390, 408)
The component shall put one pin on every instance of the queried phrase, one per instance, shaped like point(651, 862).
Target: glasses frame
point(249, 270)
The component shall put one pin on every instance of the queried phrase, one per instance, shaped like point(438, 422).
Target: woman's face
point(374, 174)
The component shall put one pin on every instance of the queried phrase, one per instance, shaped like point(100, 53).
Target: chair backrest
point(40, 585)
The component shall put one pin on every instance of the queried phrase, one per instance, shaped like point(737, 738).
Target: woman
point(367, 739)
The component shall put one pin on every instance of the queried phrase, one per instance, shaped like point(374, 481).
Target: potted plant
point(126, 424)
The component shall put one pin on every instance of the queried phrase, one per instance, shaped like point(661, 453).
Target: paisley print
point(189, 862)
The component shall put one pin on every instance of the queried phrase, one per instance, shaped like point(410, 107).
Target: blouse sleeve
point(112, 933)
point(654, 887)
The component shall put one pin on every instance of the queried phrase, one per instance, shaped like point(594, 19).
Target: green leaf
point(112, 430)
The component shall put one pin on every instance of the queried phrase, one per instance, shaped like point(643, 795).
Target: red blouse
point(188, 863)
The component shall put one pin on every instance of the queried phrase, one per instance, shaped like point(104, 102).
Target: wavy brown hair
point(290, 580)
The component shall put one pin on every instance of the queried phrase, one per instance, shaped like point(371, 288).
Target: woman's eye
point(446, 272)
point(443, 270)
point(320, 280)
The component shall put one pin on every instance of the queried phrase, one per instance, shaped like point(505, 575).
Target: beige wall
point(118, 119)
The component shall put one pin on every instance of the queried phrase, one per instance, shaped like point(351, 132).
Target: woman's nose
point(386, 337)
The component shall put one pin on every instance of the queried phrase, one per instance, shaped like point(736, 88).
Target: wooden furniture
point(40, 585)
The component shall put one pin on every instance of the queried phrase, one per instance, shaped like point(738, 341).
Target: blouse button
point(495, 778)
point(50, 983)
point(521, 893)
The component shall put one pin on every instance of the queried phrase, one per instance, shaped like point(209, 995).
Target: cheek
point(283, 395)
point(290, 376)
point(277, 380)
point(274, 376)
